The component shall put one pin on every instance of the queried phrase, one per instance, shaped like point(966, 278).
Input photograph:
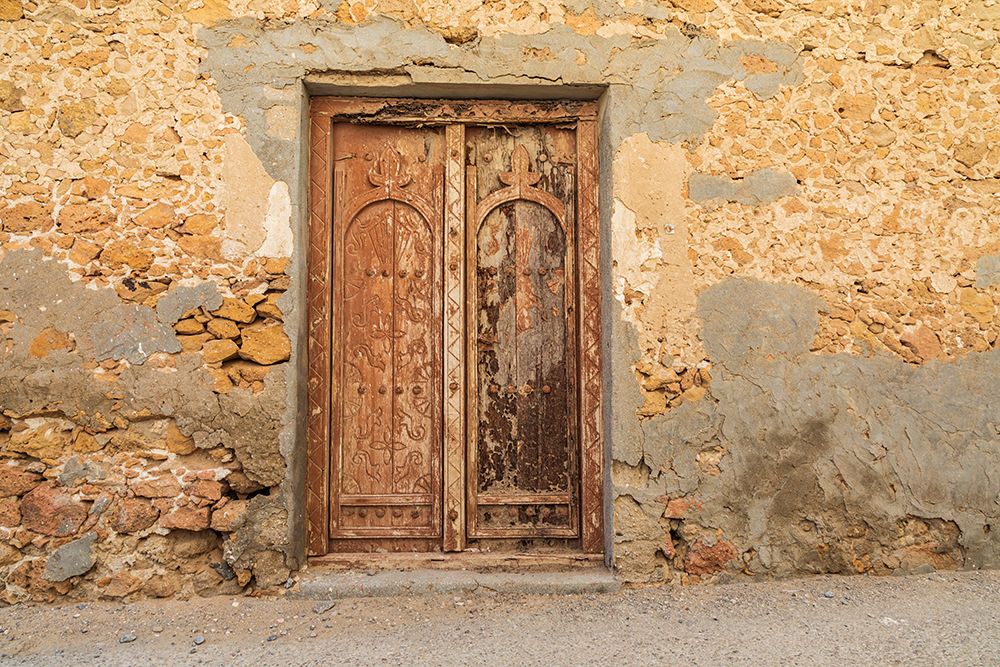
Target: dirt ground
point(942, 618)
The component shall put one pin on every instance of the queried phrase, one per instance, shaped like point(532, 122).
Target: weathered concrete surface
point(657, 86)
point(183, 298)
point(319, 585)
point(100, 323)
point(649, 232)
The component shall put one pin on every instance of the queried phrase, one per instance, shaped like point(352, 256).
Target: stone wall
point(802, 257)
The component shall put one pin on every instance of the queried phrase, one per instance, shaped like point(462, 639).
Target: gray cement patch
point(131, 334)
point(988, 271)
point(181, 298)
point(40, 292)
point(760, 187)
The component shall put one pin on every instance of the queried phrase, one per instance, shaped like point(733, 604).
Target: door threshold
point(478, 561)
point(325, 584)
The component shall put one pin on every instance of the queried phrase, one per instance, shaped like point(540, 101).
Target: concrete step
point(333, 585)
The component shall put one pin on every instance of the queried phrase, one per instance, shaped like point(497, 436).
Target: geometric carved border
point(453, 376)
point(318, 267)
point(591, 386)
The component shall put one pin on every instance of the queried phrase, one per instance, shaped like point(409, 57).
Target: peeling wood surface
point(523, 464)
point(590, 359)
point(439, 112)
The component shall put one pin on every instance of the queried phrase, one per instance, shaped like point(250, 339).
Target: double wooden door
point(455, 376)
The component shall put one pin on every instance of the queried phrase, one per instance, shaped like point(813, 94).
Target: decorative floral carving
point(520, 173)
point(388, 170)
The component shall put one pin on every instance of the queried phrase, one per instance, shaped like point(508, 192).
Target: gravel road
point(936, 619)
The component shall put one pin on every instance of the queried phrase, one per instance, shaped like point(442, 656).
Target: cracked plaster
point(676, 103)
point(123, 407)
point(808, 462)
point(105, 328)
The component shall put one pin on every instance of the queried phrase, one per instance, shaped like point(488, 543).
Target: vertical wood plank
point(471, 391)
point(387, 341)
point(318, 266)
point(454, 343)
point(591, 441)
point(522, 431)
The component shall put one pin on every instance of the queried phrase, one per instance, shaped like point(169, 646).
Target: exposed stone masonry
point(803, 225)
point(138, 499)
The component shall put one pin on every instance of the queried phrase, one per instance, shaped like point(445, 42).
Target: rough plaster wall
point(802, 291)
point(140, 447)
point(817, 462)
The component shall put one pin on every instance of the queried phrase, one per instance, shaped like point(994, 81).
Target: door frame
point(452, 115)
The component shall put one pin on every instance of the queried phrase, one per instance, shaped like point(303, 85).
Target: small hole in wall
point(987, 528)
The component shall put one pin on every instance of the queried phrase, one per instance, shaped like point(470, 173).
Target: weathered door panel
point(387, 314)
point(523, 465)
point(454, 347)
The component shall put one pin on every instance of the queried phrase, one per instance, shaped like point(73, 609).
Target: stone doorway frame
point(322, 112)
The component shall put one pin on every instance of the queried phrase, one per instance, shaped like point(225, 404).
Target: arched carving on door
point(521, 185)
point(389, 176)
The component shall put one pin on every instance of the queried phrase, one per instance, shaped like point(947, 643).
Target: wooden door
point(523, 467)
point(387, 219)
point(454, 348)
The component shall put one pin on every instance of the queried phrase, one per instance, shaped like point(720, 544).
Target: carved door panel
point(523, 464)
point(454, 346)
point(387, 328)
